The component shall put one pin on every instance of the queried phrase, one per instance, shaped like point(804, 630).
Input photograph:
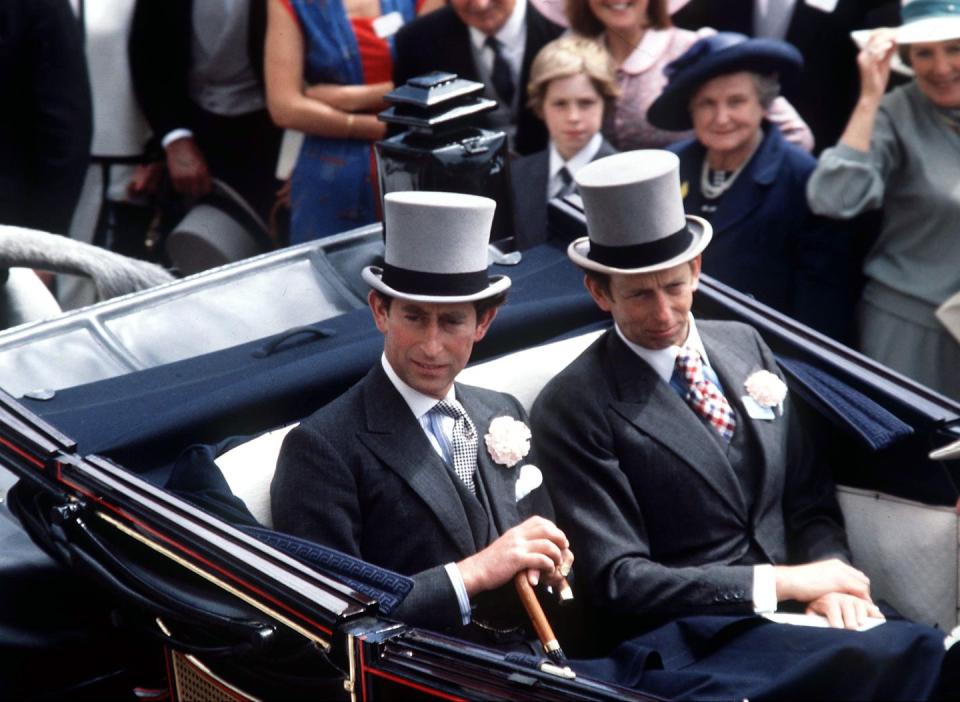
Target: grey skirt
point(903, 333)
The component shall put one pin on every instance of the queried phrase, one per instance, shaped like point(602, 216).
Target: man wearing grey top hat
point(402, 471)
point(679, 472)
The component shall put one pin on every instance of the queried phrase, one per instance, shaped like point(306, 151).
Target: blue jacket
point(766, 241)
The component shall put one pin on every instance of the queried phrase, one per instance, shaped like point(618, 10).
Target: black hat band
point(641, 255)
point(442, 284)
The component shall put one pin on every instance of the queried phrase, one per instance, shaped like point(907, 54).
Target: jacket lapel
point(500, 481)
point(394, 435)
point(656, 409)
point(733, 367)
point(752, 185)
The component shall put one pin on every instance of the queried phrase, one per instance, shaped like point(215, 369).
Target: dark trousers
point(242, 151)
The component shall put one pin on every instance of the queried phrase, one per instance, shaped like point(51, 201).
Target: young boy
point(571, 81)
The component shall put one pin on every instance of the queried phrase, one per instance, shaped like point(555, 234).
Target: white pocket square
point(529, 479)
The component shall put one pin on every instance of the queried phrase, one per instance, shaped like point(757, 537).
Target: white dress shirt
point(431, 422)
point(771, 18)
point(663, 362)
point(576, 162)
point(513, 38)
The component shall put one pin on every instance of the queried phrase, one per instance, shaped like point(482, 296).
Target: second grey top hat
point(436, 248)
point(635, 218)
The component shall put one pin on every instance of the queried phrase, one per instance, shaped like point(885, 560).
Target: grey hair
point(768, 88)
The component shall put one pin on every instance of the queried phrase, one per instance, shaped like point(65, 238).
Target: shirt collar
point(512, 33)
point(418, 403)
point(663, 361)
point(578, 160)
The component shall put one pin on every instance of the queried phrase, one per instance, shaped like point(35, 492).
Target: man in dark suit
point(821, 31)
point(490, 41)
point(412, 471)
point(47, 120)
point(688, 492)
point(197, 70)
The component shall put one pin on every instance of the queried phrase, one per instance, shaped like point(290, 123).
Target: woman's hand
point(874, 63)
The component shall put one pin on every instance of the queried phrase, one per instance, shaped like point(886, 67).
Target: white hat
point(922, 21)
point(436, 248)
point(635, 219)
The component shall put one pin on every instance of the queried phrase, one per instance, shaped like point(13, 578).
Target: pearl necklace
point(712, 191)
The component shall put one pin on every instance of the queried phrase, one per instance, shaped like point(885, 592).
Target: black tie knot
point(501, 75)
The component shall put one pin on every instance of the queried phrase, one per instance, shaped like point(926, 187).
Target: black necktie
point(567, 187)
point(502, 79)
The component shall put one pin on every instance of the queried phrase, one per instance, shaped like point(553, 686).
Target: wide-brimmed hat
point(635, 219)
point(922, 21)
point(717, 55)
point(436, 248)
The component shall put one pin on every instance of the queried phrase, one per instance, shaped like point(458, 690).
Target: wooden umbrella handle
point(539, 620)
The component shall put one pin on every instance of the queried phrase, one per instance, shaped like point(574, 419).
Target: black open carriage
point(144, 590)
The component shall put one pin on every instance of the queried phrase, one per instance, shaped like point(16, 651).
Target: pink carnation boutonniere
point(507, 440)
point(767, 390)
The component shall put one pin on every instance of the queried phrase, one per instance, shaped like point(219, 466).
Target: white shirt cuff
point(764, 589)
point(175, 134)
point(456, 579)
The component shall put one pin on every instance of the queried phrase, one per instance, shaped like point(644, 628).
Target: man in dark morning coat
point(443, 40)
point(687, 527)
point(47, 120)
point(197, 71)
point(372, 474)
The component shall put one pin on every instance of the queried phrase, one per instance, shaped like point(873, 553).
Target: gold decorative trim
point(215, 580)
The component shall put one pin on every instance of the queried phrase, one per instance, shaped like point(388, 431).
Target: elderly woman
point(743, 177)
point(901, 152)
point(642, 41)
point(571, 84)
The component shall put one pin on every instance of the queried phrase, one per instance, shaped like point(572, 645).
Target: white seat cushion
point(249, 469)
point(909, 550)
point(524, 373)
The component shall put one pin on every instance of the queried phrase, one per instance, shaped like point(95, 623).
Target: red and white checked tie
point(704, 396)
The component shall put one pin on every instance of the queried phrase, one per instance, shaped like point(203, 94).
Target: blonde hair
point(568, 56)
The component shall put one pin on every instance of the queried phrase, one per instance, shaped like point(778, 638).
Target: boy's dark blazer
point(528, 177)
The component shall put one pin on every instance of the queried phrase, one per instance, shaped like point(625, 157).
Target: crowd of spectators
point(186, 94)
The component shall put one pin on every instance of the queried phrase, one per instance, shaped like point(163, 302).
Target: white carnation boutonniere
point(766, 390)
point(507, 440)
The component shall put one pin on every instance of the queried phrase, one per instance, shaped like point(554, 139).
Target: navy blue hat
point(717, 55)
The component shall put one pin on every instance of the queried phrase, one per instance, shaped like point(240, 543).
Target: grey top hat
point(635, 219)
point(436, 248)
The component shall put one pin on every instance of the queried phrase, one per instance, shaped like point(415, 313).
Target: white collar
point(511, 34)
point(663, 361)
point(652, 46)
point(418, 403)
point(578, 160)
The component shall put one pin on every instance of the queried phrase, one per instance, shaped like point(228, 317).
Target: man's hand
point(811, 581)
point(188, 168)
point(537, 546)
point(844, 611)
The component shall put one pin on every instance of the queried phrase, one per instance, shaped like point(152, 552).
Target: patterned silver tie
point(464, 446)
